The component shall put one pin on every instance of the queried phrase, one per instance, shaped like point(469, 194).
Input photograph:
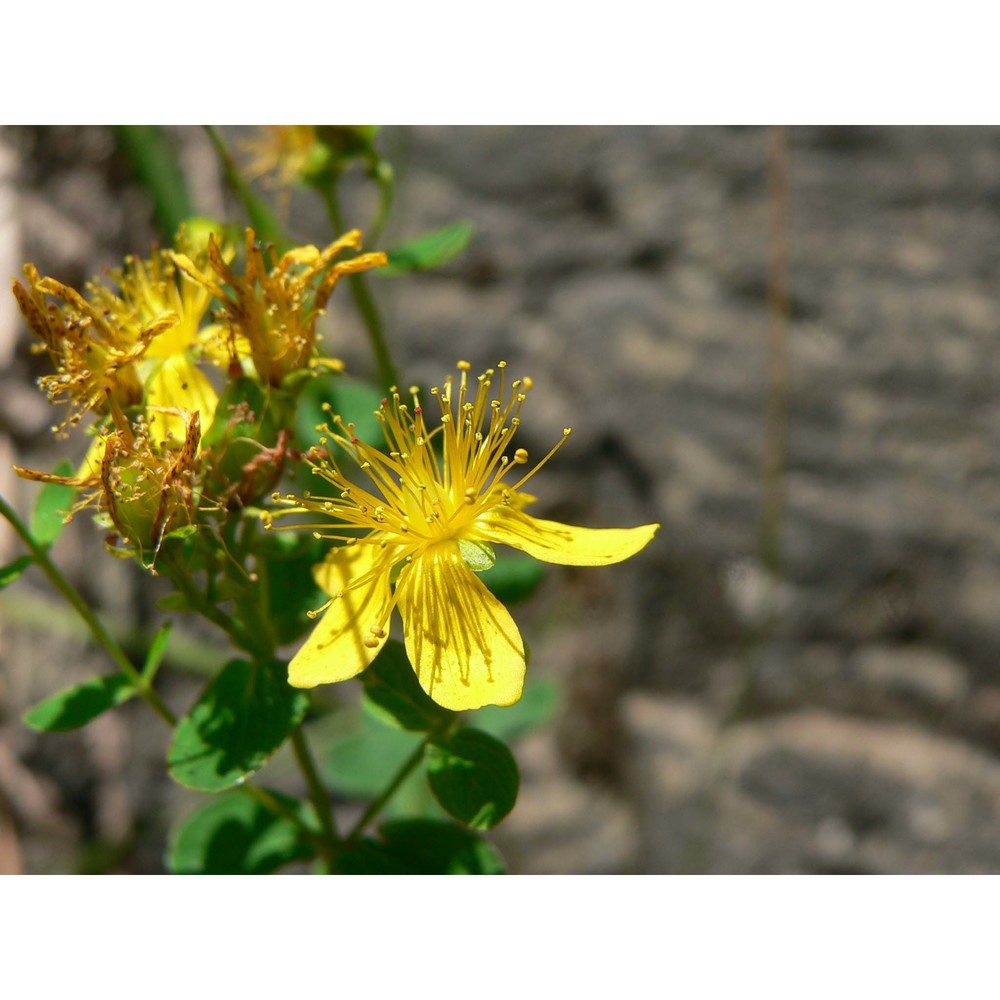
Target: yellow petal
point(178, 384)
point(463, 644)
point(356, 624)
point(553, 542)
point(90, 467)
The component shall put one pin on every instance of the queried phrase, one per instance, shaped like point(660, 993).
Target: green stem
point(265, 224)
point(38, 614)
point(275, 805)
point(156, 165)
point(259, 587)
point(318, 795)
point(408, 767)
point(198, 602)
point(386, 180)
point(387, 374)
point(93, 623)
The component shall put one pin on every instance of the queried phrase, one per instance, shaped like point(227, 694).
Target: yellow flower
point(273, 309)
point(94, 358)
point(285, 155)
point(282, 153)
point(433, 505)
point(136, 345)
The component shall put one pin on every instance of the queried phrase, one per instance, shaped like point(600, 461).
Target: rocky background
point(841, 714)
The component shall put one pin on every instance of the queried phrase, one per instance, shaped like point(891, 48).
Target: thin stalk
point(408, 767)
point(318, 795)
point(779, 309)
point(695, 855)
point(387, 374)
point(259, 587)
point(276, 806)
point(265, 224)
point(774, 458)
point(93, 623)
point(385, 178)
point(198, 602)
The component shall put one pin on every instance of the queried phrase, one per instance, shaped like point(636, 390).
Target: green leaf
point(288, 558)
point(473, 776)
point(235, 834)
point(367, 755)
point(394, 694)
point(54, 502)
point(538, 705)
point(77, 705)
point(359, 754)
point(421, 847)
point(240, 720)
point(430, 250)
point(513, 577)
point(479, 556)
point(156, 652)
point(181, 533)
point(355, 401)
point(10, 572)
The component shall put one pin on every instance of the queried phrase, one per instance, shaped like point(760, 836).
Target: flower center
point(432, 484)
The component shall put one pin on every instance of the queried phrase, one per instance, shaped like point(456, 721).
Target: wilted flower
point(414, 535)
point(136, 345)
point(273, 307)
point(145, 489)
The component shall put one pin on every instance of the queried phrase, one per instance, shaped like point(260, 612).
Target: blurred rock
point(625, 270)
point(809, 792)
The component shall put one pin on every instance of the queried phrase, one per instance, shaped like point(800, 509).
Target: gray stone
point(625, 270)
point(809, 792)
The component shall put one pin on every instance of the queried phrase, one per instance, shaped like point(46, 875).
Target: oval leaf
point(367, 755)
point(430, 250)
point(157, 650)
point(235, 834)
point(53, 504)
point(421, 847)
point(394, 694)
point(77, 705)
point(240, 720)
point(473, 776)
point(478, 555)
